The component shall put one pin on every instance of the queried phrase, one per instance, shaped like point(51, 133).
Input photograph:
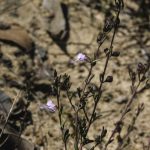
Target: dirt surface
point(85, 23)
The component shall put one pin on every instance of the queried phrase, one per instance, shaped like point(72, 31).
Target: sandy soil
point(85, 24)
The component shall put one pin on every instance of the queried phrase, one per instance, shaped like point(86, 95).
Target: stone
point(56, 23)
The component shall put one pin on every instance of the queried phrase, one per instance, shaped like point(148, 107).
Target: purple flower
point(80, 57)
point(50, 106)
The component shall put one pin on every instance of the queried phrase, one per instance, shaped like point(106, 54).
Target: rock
point(56, 23)
point(121, 100)
point(5, 102)
point(12, 142)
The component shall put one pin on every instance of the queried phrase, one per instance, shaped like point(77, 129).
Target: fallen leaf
point(17, 35)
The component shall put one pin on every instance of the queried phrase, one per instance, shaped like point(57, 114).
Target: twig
point(122, 116)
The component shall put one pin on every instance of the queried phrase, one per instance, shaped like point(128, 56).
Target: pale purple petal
point(81, 57)
point(50, 106)
point(50, 103)
point(52, 109)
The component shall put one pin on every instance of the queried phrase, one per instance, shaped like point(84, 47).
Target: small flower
point(50, 106)
point(81, 57)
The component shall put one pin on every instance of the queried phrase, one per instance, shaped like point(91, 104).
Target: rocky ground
point(30, 23)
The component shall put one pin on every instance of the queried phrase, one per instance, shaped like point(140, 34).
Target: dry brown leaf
point(17, 35)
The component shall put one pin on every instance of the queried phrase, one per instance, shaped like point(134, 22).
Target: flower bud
point(109, 79)
point(115, 54)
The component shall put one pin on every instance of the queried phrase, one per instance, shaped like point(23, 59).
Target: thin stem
point(59, 114)
point(76, 130)
point(58, 102)
point(85, 113)
point(84, 88)
point(100, 87)
point(103, 75)
point(123, 115)
point(65, 146)
point(87, 79)
point(70, 100)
